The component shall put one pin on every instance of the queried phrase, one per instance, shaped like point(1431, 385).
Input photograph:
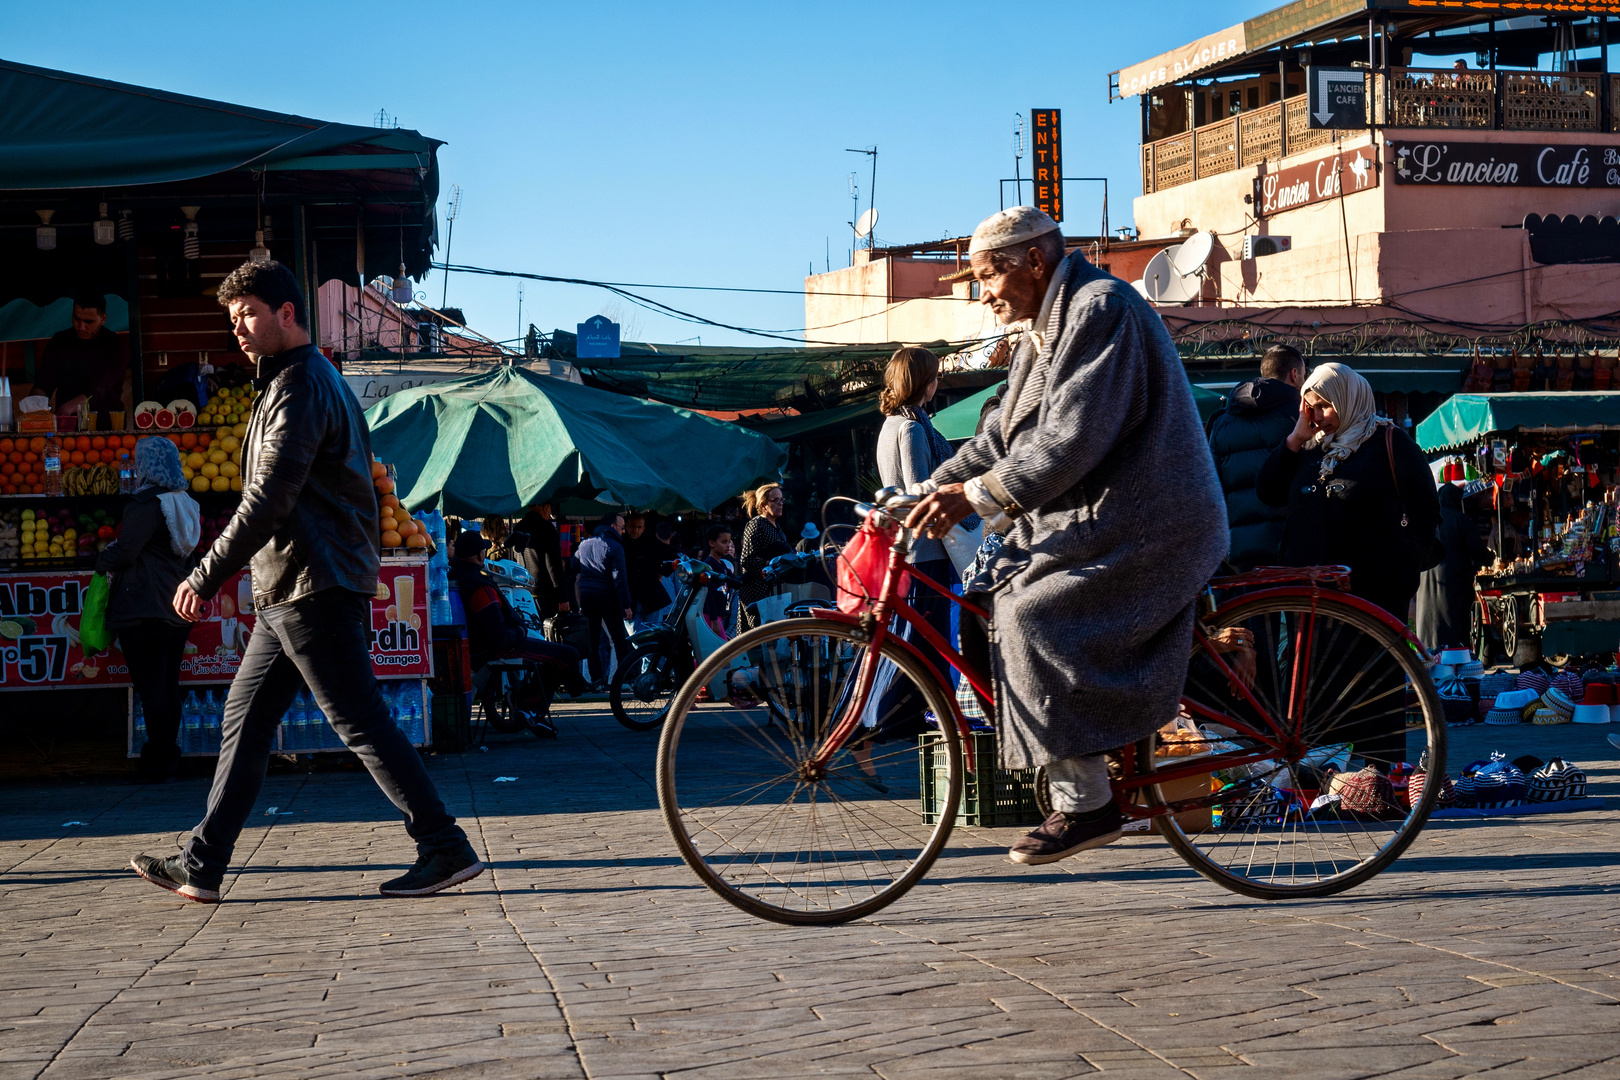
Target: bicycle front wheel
point(773, 830)
point(1347, 773)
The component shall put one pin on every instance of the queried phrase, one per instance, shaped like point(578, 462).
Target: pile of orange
point(397, 528)
point(22, 458)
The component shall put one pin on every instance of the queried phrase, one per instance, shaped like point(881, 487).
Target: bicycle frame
point(1275, 734)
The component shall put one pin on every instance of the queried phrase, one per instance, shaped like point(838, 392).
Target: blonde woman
point(762, 541)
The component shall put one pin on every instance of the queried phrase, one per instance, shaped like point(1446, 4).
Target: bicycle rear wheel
point(1350, 778)
point(767, 828)
point(642, 688)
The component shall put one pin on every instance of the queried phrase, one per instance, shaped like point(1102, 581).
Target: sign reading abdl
point(1047, 146)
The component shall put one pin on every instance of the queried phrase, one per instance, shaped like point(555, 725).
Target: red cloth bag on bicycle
point(861, 566)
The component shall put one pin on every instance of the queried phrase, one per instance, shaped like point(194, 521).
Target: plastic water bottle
point(413, 693)
point(53, 465)
point(190, 725)
point(140, 725)
point(214, 711)
point(126, 474)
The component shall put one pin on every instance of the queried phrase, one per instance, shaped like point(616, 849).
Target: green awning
point(1465, 418)
point(60, 130)
point(959, 421)
point(732, 377)
point(819, 422)
point(1388, 373)
point(500, 441)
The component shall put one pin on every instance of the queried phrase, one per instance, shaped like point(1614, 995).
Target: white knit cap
point(1014, 225)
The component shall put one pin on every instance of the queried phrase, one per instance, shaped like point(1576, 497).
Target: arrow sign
point(1337, 98)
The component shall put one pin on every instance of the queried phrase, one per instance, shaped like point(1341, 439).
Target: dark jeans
point(323, 642)
point(154, 648)
point(599, 608)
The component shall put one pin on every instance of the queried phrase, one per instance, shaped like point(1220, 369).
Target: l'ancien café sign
point(1314, 182)
point(1495, 164)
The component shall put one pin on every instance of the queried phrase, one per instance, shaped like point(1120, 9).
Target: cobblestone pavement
point(1492, 949)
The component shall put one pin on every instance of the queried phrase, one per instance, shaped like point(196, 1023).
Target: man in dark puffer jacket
point(1258, 416)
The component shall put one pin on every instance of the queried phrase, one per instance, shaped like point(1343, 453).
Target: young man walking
point(308, 524)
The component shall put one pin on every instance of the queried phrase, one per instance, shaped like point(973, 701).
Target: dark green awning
point(819, 422)
point(959, 421)
point(736, 377)
point(60, 131)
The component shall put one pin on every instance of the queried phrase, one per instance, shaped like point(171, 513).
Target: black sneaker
point(1062, 835)
point(435, 872)
point(171, 874)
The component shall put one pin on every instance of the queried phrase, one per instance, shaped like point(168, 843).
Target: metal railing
point(1406, 98)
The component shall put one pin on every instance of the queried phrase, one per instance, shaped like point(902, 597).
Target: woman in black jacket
point(1359, 494)
point(762, 541)
point(1346, 498)
point(153, 553)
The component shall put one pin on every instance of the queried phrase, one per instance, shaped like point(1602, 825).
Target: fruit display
point(228, 405)
point(22, 462)
point(90, 480)
point(212, 462)
point(397, 529)
point(10, 535)
point(60, 533)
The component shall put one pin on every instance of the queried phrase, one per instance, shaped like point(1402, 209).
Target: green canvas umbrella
point(498, 442)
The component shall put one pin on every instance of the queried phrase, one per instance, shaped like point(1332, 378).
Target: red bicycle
point(1309, 752)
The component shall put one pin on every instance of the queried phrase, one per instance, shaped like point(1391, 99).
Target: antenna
point(450, 216)
point(855, 200)
point(871, 194)
point(520, 309)
point(1018, 157)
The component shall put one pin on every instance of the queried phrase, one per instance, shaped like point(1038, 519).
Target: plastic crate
point(451, 729)
point(991, 795)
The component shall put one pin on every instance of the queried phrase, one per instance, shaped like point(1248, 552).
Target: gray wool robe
point(1092, 594)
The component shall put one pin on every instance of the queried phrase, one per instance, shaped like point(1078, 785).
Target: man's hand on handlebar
point(939, 510)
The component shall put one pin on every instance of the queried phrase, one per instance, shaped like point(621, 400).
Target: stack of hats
point(1510, 708)
point(1555, 708)
point(1368, 793)
point(1456, 701)
point(1556, 781)
point(1533, 680)
point(1491, 784)
point(1420, 777)
point(1569, 684)
point(1599, 705)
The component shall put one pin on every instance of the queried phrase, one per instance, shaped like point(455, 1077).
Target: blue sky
point(696, 144)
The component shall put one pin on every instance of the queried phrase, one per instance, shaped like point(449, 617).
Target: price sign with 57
point(39, 658)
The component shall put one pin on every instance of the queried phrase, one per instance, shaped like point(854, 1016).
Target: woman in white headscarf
point(154, 552)
point(1358, 491)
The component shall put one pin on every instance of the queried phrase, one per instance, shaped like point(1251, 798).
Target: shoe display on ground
point(1062, 835)
point(435, 872)
point(171, 874)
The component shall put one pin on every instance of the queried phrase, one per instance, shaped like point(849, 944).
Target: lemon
point(236, 483)
point(230, 444)
point(205, 419)
point(218, 457)
point(239, 430)
point(209, 470)
point(199, 483)
point(224, 429)
point(220, 483)
point(194, 460)
point(229, 469)
point(187, 471)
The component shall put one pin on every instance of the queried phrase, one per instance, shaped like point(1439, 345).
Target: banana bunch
point(63, 627)
point(90, 480)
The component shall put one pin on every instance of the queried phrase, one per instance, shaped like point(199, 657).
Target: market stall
point(1550, 461)
point(48, 549)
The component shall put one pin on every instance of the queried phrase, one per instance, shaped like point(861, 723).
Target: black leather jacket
point(308, 516)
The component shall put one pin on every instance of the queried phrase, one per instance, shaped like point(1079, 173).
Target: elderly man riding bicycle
point(1096, 468)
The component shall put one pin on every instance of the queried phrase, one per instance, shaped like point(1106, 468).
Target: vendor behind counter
point(86, 363)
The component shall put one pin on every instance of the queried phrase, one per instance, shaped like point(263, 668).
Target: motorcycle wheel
point(643, 687)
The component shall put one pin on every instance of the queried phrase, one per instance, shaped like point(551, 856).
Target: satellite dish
point(1193, 254)
point(1141, 289)
point(866, 223)
point(1163, 284)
